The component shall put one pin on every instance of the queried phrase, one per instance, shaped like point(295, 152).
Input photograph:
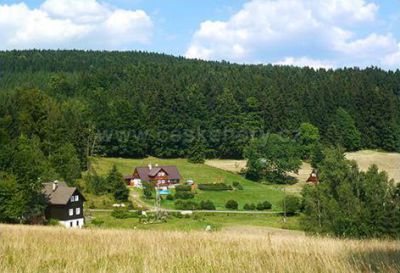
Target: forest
point(134, 104)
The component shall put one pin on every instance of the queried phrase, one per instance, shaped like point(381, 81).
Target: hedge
point(215, 187)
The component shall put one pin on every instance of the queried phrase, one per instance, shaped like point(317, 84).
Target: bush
point(170, 197)
point(147, 192)
point(186, 205)
point(264, 205)
point(214, 187)
point(237, 185)
point(120, 213)
point(207, 205)
point(53, 222)
point(96, 184)
point(184, 195)
point(183, 188)
point(231, 204)
point(260, 206)
point(292, 204)
point(121, 194)
point(267, 205)
point(250, 206)
point(97, 222)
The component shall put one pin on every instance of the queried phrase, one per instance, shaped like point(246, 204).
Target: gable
point(62, 194)
point(145, 174)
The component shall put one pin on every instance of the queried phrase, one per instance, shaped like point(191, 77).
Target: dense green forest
point(133, 104)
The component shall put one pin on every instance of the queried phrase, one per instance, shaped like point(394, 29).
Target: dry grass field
point(50, 249)
point(389, 162)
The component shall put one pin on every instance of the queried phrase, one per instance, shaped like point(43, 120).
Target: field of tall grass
point(52, 249)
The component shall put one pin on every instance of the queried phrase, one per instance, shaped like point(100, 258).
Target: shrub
point(267, 205)
point(260, 206)
point(121, 194)
point(170, 197)
point(186, 205)
point(96, 184)
point(184, 195)
point(97, 222)
point(264, 205)
point(231, 204)
point(250, 206)
point(183, 188)
point(207, 205)
point(214, 187)
point(237, 185)
point(53, 222)
point(147, 192)
point(120, 213)
point(292, 204)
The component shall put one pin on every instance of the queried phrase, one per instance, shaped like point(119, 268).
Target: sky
point(314, 33)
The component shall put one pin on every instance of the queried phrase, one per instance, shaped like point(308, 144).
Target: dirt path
point(137, 201)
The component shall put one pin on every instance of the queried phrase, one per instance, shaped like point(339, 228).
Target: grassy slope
point(47, 249)
point(253, 192)
point(197, 222)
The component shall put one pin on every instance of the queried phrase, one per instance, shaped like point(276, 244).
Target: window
point(76, 198)
point(71, 212)
point(70, 224)
point(72, 198)
point(77, 223)
point(78, 211)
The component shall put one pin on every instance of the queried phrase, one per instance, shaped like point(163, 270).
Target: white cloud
point(275, 29)
point(72, 24)
point(305, 61)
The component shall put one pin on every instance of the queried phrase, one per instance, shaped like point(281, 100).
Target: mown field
point(253, 192)
point(31, 249)
point(388, 162)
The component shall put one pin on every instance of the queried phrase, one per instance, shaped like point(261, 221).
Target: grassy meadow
point(31, 249)
point(197, 222)
point(200, 173)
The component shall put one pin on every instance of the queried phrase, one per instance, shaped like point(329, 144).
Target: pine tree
point(196, 152)
point(117, 185)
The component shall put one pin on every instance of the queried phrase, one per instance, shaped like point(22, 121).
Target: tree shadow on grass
point(385, 261)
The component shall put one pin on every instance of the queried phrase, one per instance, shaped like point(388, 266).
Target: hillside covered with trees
point(133, 104)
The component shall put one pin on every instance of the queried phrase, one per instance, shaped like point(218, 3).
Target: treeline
point(151, 104)
point(41, 139)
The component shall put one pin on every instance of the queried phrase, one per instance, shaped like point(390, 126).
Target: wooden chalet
point(159, 175)
point(313, 178)
point(65, 204)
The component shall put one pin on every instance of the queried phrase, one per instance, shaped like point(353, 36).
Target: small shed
point(313, 178)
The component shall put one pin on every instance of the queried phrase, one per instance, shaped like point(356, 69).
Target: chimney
point(55, 185)
point(150, 166)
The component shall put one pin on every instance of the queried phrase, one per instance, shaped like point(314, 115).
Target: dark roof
point(145, 173)
point(61, 195)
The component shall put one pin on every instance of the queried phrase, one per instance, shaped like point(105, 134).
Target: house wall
point(73, 223)
point(61, 212)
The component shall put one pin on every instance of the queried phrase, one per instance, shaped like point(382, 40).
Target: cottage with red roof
point(160, 175)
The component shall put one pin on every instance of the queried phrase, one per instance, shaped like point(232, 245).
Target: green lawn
point(200, 173)
point(198, 221)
